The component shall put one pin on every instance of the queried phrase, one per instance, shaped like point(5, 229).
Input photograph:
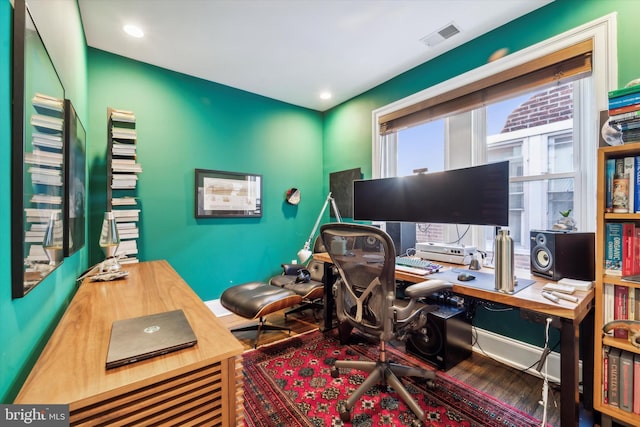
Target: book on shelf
point(624, 117)
point(631, 135)
point(605, 374)
point(613, 249)
point(630, 174)
point(625, 109)
point(123, 133)
point(35, 234)
point(123, 149)
point(127, 247)
point(620, 188)
point(628, 124)
point(48, 199)
point(626, 381)
point(37, 254)
point(636, 382)
point(620, 303)
point(608, 304)
point(614, 376)
point(620, 307)
point(127, 230)
point(41, 100)
point(123, 116)
point(126, 215)
point(624, 100)
point(45, 158)
point(40, 214)
point(636, 185)
point(628, 249)
point(126, 165)
point(631, 304)
point(47, 122)
point(623, 91)
point(47, 140)
point(124, 201)
point(610, 172)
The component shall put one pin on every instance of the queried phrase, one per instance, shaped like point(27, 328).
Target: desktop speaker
point(446, 340)
point(403, 235)
point(371, 244)
point(559, 254)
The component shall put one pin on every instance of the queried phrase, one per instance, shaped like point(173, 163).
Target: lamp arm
point(307, 245)
point(335, 208)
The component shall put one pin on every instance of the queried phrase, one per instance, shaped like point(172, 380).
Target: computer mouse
point(465, 277)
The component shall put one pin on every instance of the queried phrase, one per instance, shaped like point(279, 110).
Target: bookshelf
point(606, 283)
point(122, 180)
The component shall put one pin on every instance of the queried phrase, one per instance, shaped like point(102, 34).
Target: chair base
point(305, 306)
point(381, 372)
point(262, 325)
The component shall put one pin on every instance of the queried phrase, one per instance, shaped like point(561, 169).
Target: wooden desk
point(201, 384)
point(566, 316)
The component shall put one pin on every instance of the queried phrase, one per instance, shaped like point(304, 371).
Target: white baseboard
point(517, 354)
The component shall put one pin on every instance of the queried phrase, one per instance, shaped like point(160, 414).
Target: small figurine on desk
point(102, 273)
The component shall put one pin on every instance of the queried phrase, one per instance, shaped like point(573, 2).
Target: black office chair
point(365, 295)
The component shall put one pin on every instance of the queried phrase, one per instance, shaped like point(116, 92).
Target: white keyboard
point(412, 270)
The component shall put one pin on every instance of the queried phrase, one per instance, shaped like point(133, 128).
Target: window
point(479, 117)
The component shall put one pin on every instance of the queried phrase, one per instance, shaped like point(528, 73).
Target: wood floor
point(519, 389)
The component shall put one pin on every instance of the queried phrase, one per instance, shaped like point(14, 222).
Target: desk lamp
point(305, 253)
point(109, 242)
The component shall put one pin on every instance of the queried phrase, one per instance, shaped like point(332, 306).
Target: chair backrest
point(365, 292)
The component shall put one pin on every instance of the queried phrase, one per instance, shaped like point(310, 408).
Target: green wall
point(28, 322)
point(185, 123)
point(347, 128)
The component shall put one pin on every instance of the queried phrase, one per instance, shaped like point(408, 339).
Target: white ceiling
point(291, 50)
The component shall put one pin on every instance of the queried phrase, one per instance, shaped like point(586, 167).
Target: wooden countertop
point(71, 368)
point(529, 298)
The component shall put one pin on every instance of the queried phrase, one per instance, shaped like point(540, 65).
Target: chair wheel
point(335, 372)
point(345, 414)
point(416, 423)
point(431, 384)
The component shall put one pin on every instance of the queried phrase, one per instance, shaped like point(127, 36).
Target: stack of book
point(621, 373)
point(624, 112)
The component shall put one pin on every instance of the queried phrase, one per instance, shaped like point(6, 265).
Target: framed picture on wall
point(221, 194)
point(37, 158)
point(75, 179)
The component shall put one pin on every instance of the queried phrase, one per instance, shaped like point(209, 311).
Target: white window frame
point(603, 32)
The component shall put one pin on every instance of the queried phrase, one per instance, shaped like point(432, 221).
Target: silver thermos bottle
point(505, 280)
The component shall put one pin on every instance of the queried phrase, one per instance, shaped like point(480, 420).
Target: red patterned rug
point(289, 384)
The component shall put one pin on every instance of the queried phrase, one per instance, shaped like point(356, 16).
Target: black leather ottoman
point(255, 300)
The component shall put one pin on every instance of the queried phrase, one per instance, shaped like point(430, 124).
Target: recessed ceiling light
point(133, 30)
point(325, 95)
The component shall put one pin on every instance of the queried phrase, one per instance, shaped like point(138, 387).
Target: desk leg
point(329, 303)
point(586, 336)
point(569, 357)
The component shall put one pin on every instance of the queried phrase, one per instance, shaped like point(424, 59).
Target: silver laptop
point(143, 337)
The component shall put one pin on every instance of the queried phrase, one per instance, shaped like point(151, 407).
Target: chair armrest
point(426, 288)
point(291, 269)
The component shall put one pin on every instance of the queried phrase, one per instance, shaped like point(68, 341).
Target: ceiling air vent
point(440, 35)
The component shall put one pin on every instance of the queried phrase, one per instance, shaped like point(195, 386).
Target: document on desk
point(485, 281)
